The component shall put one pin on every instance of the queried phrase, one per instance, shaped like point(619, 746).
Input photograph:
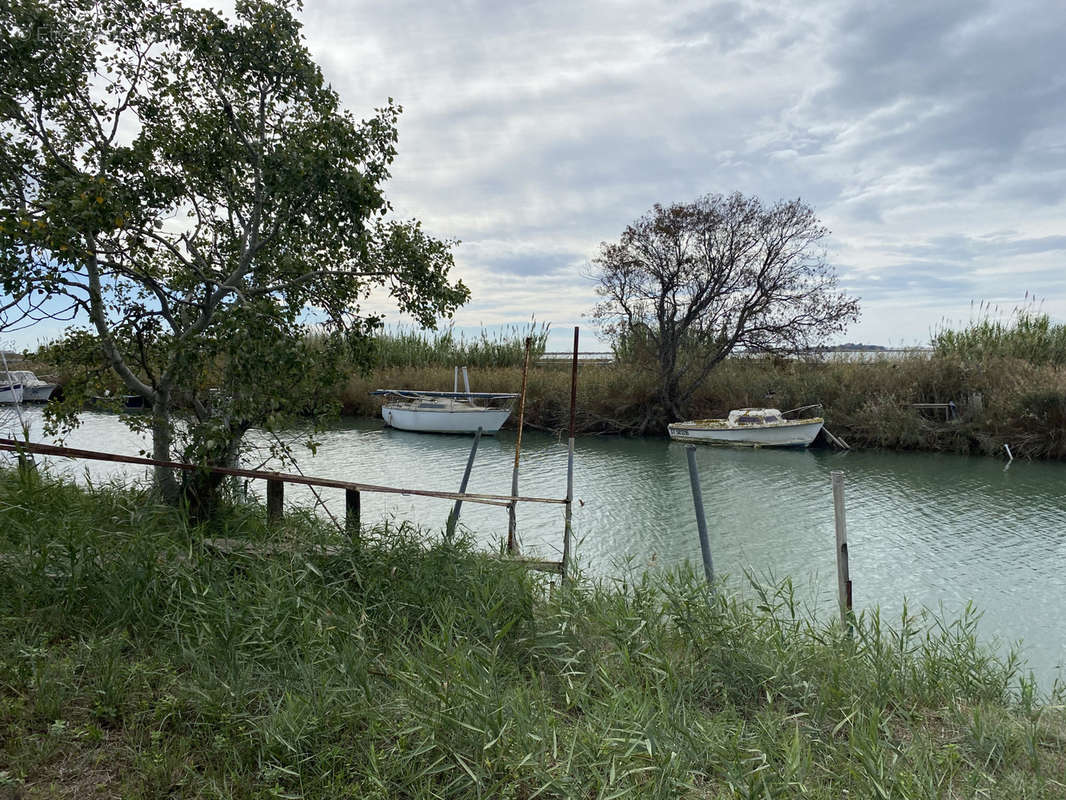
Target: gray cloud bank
point(930, 136)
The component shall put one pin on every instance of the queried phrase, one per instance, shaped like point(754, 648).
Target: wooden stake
point(512, 522)
point(569, 508)
point(843, 577)
point(453, 518)
point(352, 512)
point(275, 499)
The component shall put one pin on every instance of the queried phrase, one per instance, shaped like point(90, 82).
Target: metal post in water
point(453, 518)
point(843, 577)
point(569, 508)
point(512, 522)
point(701, 520)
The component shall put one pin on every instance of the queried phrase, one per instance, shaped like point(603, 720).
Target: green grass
point(136, 663)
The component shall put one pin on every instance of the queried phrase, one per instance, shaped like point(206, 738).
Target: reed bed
point(998, 400)
point(135, 662)
point(1026, 335)
point(410, 347)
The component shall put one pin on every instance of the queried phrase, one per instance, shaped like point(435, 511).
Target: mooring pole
point(512, 534)
point(568, 511)
point(453, 518)
point(843, 578)
point(701, 520)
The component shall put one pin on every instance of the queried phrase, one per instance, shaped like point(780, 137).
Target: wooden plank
point(93, 455)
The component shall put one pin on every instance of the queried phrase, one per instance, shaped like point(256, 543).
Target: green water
point(937, 530)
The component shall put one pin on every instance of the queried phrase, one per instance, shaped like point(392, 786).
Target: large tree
point(190, 186)
point(686, 285)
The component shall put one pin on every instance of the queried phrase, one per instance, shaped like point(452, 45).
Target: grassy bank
point(134, 662)
point(1000, 400)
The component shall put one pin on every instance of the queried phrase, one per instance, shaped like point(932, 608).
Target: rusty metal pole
point(512, 534)
point(568, 512)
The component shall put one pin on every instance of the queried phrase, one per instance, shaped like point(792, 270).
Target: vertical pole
point(701, 520)
point(352, 512)
point(453, 518)
point(455, 381)
point(843, 577)
point(568, 510)
point(512, 535)
point(275, 499)
point(466, 380)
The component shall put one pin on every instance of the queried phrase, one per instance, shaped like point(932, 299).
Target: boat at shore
point(749, 427)
point(11, 392)
point(34, 390)
point(445, 412)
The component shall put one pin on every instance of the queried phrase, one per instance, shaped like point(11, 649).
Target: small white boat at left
point(445, 412)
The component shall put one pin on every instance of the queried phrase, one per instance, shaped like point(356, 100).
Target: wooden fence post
point(352, 520)
point(275, 499)
point(843, 576)
point(568, 510)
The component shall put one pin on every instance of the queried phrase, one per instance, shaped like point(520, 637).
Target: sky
point(930, 137)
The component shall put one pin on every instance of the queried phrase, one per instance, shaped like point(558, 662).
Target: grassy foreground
point(136, 663)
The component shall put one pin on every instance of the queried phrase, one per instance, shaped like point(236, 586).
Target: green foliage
point(1028, 335)
point(190, 185)
point(403, 667)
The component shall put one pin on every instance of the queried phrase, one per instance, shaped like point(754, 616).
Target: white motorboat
point(750, 427)
point(445, 412)
point(34, 390)
point(11, 392)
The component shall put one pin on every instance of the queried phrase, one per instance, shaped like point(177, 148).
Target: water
point(938, 530)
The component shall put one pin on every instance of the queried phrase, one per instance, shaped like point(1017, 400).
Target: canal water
point(937, 531)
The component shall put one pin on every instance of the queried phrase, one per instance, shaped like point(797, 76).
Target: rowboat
point(750, 427)
point(445, 412)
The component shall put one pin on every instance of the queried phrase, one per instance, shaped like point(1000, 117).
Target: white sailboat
point(446, 412)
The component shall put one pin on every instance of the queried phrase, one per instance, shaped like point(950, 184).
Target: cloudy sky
point(929, 136)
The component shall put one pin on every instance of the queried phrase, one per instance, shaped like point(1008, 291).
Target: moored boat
point(749, 427)
point(445, 412)
point(34, 390)
point(11, 392)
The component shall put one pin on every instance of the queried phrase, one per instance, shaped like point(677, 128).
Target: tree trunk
point(161, 440)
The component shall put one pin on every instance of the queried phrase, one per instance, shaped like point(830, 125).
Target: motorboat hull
point(38, 394)
point(444, 420)
point(11, 393)
point(798, 433)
